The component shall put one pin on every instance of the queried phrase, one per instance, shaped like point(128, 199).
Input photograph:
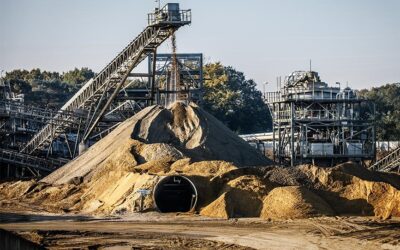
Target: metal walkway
point(389, 163)
point(33, 163)
point(96, 96)
point(31, 113)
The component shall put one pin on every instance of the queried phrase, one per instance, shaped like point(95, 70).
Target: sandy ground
point(172, 231)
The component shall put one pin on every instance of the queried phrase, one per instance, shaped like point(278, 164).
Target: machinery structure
point(12, 125)
point(190, 70)
point(163, 91)
point(94, 99)
point(19, 121)
point(313, 122)
point(105, 100)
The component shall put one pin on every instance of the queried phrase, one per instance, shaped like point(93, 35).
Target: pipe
point(175, 193)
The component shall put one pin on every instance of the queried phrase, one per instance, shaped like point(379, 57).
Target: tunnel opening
point(175, 194)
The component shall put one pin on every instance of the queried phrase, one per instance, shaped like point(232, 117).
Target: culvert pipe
point(175, 193)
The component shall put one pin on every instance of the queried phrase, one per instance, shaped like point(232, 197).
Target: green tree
point(233, 99)
point(45, 88)
point(77, 76)
point(16, 75)
point(387, 101)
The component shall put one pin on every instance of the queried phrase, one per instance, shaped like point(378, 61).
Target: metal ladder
point(389, 163)
point(96, 95)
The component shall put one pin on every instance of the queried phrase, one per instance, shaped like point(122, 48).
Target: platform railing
point(25, 160)
point(165, 16)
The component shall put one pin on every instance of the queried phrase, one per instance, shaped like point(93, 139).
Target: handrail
point(25, 160)
point(389, 162)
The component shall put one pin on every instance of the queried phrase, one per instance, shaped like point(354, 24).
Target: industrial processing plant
point(162, 149)
point(313, 122)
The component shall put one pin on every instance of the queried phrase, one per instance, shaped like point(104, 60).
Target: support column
point(291, 134)
point(279, 134)
point(153, 78)
point(273, 133)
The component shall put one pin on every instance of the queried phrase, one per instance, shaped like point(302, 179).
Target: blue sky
point(354, 41)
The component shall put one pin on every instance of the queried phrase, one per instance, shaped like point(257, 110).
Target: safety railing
point(165, 16)
point(25, 160)
point(391, 162)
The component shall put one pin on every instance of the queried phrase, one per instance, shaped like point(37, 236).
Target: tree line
point(46, 88)
point(387, 104)
point(227, 94)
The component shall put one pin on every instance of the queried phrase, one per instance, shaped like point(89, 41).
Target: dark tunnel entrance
point(175, 194)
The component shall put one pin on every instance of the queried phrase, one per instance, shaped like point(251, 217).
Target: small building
point(314, 122)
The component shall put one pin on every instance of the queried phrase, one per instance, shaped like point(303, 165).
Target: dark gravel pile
point(289, 176)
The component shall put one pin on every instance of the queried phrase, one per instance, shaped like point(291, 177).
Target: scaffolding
point(313, 122)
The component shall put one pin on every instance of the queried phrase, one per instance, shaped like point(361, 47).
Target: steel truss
point(97, 95)
point(190, 68)
point(389, 163)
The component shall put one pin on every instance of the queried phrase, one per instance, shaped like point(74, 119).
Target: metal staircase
point(389, 163)
point(96, 96)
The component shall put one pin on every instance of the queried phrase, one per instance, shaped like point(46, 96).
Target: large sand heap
point(159, 134)
point(185, 140)
point(305, 191)
point(225, 191)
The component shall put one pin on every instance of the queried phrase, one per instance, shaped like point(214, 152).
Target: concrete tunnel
point(175, 193)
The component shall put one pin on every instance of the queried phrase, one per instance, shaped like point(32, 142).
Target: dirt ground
point(171, 231)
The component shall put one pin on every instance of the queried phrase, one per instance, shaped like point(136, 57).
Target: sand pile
point(197, 134)
point(185, 140)
point(305, 191)
point(225, 191)
point(294, 202)
point(182, 139)
point(240, 197)
point(352, 189)
point(159, 135)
